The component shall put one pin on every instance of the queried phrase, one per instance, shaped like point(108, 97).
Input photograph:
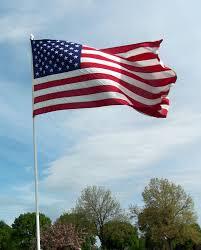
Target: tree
point(120, 235)
point(5, 236)
point(193, 241)
point(99, 207)
point(142, 244)
point(61, 237)
point(24, 229)
point(80, 221)
point(168, 213)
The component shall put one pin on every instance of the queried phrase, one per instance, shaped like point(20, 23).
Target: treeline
point(167, 221)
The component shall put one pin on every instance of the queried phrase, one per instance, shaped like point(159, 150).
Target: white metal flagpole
point(35, 167)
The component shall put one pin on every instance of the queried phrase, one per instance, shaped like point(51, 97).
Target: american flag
point(69, 75)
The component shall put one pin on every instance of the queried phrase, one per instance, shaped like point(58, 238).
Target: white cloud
point(17, 27)
point(21, 19)
point(114, 152)
point(122, 153)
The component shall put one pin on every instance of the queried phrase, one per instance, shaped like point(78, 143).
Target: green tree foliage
point(5, 236)
point(80, 221)
point(168, 214)
point(193, 241)
point(120, 235)
point(142, 243)
point(99, 206)
point(24, 229)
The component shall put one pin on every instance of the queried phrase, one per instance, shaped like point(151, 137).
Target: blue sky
point(114, 146)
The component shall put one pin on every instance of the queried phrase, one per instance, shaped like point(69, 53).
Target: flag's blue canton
point(54, 56)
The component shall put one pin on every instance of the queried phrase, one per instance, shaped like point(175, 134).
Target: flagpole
point(35, 167)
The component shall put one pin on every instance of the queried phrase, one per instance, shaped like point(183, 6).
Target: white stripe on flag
point(95, 83)
point(83, 98)
point(146, 76)
point(138, 51)
point(120, 60)
point(82, 72)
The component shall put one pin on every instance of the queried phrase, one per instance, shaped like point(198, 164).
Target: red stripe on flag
point(151, 82)
point(98, 76)
point(142, 57)
point(93, 90)
point(126, 48)
point(80, 105)
point(146, 69)
point(160, 112)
